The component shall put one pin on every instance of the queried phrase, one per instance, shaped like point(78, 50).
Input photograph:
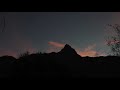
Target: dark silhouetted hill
point(7, 66)
point(68, 51)
point(63, 64)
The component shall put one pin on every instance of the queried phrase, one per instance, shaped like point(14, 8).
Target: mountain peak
point(67, 46)
point(68, 50)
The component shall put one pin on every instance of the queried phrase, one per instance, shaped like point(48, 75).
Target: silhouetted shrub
point(62, 64)
point(24, 54)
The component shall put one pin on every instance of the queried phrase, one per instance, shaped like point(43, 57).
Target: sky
point(50, 31)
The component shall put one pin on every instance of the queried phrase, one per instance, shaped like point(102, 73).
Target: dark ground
point(62, 65)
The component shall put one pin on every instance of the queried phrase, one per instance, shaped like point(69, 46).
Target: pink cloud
point(88, 51)
point(56, 44)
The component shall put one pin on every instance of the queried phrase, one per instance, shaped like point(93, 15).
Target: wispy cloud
point(88, 51)
point(56, 44)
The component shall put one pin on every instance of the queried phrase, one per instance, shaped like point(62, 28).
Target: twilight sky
point(50, 31)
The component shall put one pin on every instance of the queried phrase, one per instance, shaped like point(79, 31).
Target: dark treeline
point(64, 64)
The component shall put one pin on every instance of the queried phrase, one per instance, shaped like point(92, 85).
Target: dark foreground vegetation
point(64, 64)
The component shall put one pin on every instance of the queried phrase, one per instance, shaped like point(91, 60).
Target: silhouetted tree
point(24, 54)
point(113, 40)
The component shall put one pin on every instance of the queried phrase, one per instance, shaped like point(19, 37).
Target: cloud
point(88, 51)
point(56, 44)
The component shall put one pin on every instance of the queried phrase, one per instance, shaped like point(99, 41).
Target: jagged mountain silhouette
point(65, 63)
point(68, 51)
